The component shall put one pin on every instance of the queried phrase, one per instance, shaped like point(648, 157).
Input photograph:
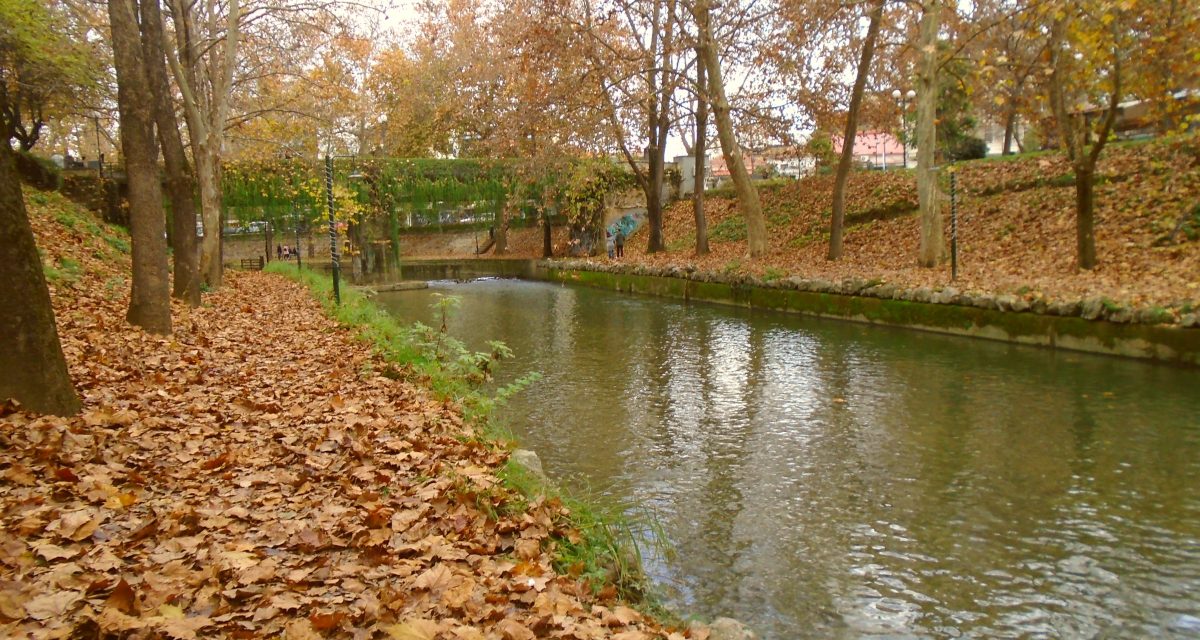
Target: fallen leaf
point(52, 605)
point(122, 598)
point(54, 552)
point(414, 629)
point(300, 629)
point(215, 462)
point(512, 630)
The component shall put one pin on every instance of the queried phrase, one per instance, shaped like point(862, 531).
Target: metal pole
point(99, 155)
point(953, 228)
point(903, 131)
point(333, 248)
point(296, 216)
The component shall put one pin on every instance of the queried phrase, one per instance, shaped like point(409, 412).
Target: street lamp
point(903, 98)
point(333, 241)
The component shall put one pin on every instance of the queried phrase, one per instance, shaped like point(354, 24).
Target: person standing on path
point(619, 241)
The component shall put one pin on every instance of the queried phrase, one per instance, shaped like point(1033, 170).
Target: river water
point(830, 480)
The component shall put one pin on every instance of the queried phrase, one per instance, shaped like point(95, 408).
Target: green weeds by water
point(605, 551)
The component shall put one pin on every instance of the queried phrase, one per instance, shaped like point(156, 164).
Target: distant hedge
point(39, 172)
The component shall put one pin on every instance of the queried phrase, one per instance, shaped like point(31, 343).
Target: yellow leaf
point(415, 629)
point(170, 612)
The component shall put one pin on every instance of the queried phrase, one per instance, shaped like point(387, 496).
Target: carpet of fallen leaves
point(250, 476)
point(1016, 229)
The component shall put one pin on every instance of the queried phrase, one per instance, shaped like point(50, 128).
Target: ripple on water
point(827, 480)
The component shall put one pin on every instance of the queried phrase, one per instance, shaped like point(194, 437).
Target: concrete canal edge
point(948, 312)
point(1149, 341)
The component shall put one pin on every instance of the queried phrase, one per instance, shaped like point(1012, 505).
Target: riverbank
point(1016, 233)
point(1091, 326)
point(263, 471)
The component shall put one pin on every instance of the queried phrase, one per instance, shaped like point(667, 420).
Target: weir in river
point(824, 479)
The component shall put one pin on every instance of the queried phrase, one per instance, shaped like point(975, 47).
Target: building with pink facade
point(878, 150)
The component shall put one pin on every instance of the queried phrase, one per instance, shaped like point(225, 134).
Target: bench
point(252, 264)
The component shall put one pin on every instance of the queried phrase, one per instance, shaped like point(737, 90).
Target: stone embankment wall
point(1083, 325)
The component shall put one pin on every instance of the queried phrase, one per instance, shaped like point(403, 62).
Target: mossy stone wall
point(1157, 342)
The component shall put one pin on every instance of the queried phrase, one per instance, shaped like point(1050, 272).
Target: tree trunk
point(747, 195)
point(393, 236)
point(1085, 238)
point(500, 231)
point(207, 170)
point(1010, 126)
point(547, 238)
point(837, 221)
point(657, 123)
point(149, 304)
point(33, 370)
point(932, 243)
point(181, 185)
point(1073, 132)
point(701, 139)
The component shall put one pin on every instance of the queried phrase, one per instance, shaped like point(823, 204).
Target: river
point(822, 479)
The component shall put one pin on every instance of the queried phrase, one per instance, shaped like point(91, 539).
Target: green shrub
point(731, 229)
point(38, 172)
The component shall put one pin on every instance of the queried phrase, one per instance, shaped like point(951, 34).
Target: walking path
point(256, 475)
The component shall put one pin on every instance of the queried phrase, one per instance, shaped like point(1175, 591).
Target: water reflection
point(820, 479)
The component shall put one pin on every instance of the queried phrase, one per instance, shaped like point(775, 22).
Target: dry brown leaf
point(625, 615)
point(54, 552)
point(512, 630)
point(300, 629)
point(52, 605)
point(122, 598)
point(286, 602)
point(436, 579)
point(414, 629)
point(467, 633)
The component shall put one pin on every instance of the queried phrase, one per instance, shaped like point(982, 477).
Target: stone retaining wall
point(1090, 326)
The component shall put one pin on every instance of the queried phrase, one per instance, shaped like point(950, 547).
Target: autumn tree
point(33, 370)
point(1088, 44)
point(932, 244)
point(747, 195)
point(634, 49)
point(149, 304)
point(203, 62)
point(844, 162)
point(1009, 54)
point(180, 180)
point(700, 152)
point(35, 89)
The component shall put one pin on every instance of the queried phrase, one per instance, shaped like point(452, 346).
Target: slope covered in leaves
point(1016, 228)
point(254, 475)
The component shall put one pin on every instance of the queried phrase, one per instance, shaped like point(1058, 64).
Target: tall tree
point(149, 304)
point(203, 65)
point(181, 185)
point(633, 52)
point(39, 88)
point(932, 247)
point(33, 370)
point(700, 153)
point(1098, 31)
point(851, 132)
point(747, 195)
